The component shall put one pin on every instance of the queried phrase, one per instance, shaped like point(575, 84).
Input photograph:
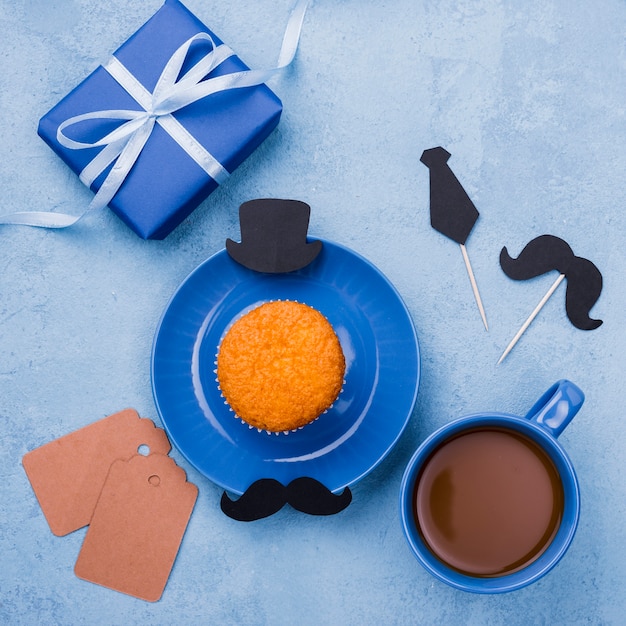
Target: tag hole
point(154, 480)
point(143, 449)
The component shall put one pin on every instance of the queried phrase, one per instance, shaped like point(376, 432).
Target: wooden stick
point(531, 317)
point(470, 273)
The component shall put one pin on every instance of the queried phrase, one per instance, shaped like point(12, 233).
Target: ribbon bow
point(172, 92)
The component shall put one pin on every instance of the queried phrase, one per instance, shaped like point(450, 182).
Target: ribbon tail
point(125, 161)
point(190, 89)
point(40, 219)
point(292, 34)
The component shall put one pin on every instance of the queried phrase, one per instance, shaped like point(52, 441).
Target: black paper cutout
point(546, 253)
point(267, 496)
point(452, 212)
point(274, 236)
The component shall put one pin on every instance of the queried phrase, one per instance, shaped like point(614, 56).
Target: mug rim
point(553, 553)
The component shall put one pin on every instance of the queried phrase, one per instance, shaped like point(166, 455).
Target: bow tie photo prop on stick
point(548, 253)
point(452, 212)
point(159, 126)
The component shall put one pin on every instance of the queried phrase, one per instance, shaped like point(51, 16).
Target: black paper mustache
point(267, 496)
point(547, 253)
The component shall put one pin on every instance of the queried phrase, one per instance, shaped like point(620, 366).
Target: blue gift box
point(165, 183)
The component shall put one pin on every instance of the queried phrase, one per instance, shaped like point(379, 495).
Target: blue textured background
point(530, 100)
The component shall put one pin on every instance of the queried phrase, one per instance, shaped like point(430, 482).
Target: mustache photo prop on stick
point(267, 496)
point(547, 253)
point(452, 212)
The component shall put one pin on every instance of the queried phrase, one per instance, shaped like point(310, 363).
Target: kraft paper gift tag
point(137, 526)
point(67, 474)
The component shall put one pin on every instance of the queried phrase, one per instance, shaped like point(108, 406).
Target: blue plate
point(339, 448)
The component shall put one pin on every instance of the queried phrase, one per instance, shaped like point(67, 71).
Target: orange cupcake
point(280, 366)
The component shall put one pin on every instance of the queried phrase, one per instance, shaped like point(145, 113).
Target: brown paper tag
point(67, 474)
point(137, 526)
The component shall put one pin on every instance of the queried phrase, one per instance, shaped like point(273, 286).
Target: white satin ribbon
point(123, 145)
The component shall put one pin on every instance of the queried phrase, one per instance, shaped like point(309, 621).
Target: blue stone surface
point(529, 100)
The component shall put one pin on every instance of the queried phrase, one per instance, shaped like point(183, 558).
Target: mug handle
point(557, 407)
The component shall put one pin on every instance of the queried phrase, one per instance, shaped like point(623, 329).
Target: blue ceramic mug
point(490, 502)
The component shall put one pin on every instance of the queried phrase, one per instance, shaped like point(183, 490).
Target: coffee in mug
point(490, 502)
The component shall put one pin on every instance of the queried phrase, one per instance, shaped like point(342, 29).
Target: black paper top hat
point(273, 236)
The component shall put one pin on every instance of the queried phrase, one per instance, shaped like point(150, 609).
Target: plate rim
point(381, 455)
